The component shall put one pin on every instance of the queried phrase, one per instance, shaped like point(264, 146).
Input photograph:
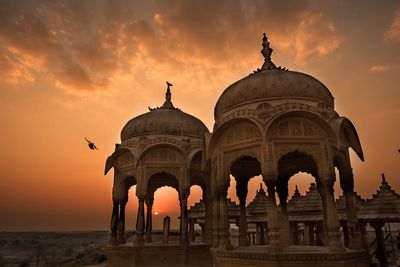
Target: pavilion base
point(299, 256)
point(158, 254)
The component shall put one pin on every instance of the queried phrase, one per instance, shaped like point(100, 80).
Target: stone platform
point(299, 256)
point(159, 254)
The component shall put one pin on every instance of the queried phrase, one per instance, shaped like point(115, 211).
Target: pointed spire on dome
point(296, 192)
point(168, 103)
point(261, 189)
point(266, 52)
point(383, 179)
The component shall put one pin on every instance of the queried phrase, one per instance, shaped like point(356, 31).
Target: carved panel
point(239, 133)
point(295, 127)
point(315, 150)
point(162, 155)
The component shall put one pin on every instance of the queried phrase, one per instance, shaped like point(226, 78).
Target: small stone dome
point(164, 120)
point(271, 82)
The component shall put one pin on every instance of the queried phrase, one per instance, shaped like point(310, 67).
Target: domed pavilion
point(272, 123)
point(276, 123)
point(162, 147)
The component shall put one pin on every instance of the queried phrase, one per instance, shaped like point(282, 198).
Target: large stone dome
point(164, 120)
point(270, 83)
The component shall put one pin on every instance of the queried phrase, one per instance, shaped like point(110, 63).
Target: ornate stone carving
point(314, 150)
point(239, 133)
point(295, 127)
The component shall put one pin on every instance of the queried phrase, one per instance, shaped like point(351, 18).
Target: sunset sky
point(70, 69)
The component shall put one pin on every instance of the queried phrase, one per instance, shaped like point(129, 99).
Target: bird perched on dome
point(91, 145)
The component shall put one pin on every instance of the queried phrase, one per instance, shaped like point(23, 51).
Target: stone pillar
point(357, 240)
point(332, 219)
point(224, 241)
point(273, 220)
point(241, 192)
point(306, 234)
point(192, 236)
point(262, 234)
point(121, 223)
point(319, 234)
point(346, 235)
point(139, 241)
point(380, 241)
point(114, 224)
point(282, 190)
point(258, 236)
point(184, 240)
point(203, 233)
point(207, 227)
point(149, 220)
point(294, 231)
point(216, 222)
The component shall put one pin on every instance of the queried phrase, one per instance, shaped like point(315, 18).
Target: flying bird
point(91, 145)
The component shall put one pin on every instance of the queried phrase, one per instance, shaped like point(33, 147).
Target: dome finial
point(266, 51)
point(167, 104)
point(168, 93)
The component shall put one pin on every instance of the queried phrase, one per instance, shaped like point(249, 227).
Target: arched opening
point(242, 169)
point(162, 200)
point(306, 227)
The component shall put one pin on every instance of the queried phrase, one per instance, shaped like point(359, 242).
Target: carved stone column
point(241, 192)
point(357, 240)
point(306, 234)
point(262, 234)
point(381, 249)
point(346, 234)
point(282, 190)
point(258, 236)
point(207, 232)
point(121, 223)
point(202, 233)
point(183, 196)
point(114, 224)
point(332, 219)
point(215, 221)
point(149, 218)
point(192, 234)
point(139, 241)
point(273, 220)
point(224, 241)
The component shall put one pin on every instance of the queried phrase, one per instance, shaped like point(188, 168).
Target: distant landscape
point(47, 249)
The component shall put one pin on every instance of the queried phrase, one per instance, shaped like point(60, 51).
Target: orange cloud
point(82, 48)
point(393, 33)
point(383, 68)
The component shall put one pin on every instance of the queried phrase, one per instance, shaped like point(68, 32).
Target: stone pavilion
point(272, 123)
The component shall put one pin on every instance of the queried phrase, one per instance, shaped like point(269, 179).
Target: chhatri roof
point(271, 82)
point(259, 205)
point(341, 203)
point(165, 119)
point(307, 207)
point(310, 202)
point(197, 211)
point(384, 205)
point(296, 197)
